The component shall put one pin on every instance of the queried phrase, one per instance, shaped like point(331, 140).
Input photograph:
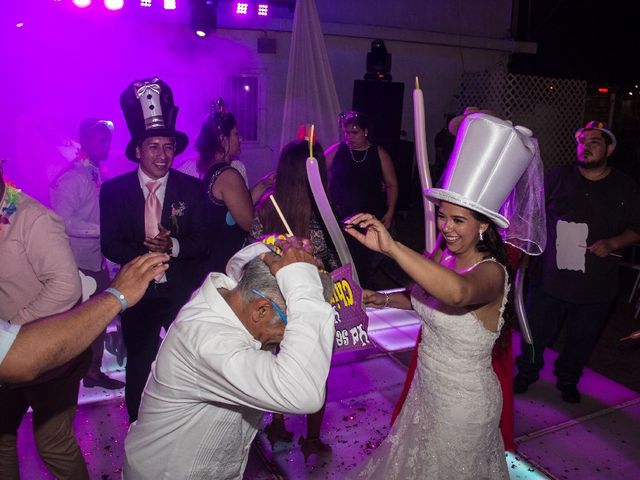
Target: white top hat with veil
point(489, 159)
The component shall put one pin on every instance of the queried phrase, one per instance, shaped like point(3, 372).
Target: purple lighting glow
point(242, 8)
point(113, 4)
point(263, 10)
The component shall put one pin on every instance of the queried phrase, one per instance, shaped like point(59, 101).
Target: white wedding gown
point(448, 426)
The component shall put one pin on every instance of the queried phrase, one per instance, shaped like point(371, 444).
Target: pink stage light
point(263, 10)
point(169, 4)
point(242, 8)
point(82, 3)
point(113, 4)
point(145, 3)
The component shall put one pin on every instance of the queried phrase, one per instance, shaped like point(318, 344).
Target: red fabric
point(407, 381)
point(502, 364)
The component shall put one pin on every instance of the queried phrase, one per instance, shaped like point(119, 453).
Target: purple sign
point(352, 321)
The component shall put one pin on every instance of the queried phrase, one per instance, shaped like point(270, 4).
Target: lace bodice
point(455, 337)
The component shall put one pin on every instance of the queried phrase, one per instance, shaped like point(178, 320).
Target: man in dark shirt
point(592, 213)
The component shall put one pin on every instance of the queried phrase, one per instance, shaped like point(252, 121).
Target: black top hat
point(149, 111)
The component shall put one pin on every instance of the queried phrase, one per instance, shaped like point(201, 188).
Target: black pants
point(53, 398)
point(141, 326)
point(546, 315)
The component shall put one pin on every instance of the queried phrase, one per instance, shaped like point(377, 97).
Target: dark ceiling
point(584, 39)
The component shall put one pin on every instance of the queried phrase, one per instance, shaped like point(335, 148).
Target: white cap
point(235, 265)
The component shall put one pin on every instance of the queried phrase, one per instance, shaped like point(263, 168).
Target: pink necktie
point(152, 211)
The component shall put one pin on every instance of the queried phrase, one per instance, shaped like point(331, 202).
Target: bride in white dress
point(448, 426)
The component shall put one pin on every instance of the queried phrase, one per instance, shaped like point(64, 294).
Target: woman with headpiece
point(502, 358)
point(230, 200)
point(448, 427)
point(293, 195)
point(361, 179)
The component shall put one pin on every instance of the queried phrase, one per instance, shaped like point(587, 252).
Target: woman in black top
point(230, 201)
point(361, 179)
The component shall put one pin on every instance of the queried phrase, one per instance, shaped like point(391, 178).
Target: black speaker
point(402, 153)
point(382, 103)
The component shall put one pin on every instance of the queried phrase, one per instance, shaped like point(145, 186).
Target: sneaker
point(569, 392)
point(101, 380)
point(521, 384)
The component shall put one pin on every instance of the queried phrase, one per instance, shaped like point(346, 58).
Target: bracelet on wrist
point(386, 300)
point(120, 296)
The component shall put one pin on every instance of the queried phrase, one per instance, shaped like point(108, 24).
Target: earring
point(481, 239)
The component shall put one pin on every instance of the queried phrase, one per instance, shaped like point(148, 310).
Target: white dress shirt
point(210, 383)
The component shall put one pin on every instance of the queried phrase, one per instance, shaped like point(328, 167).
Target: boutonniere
point(9, 206)
point(177, 210)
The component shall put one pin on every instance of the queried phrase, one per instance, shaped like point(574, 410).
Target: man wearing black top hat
point(153, 208)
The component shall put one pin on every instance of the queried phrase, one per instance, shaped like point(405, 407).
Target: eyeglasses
point(278, 310)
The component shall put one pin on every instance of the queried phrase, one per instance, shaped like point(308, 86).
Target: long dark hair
point(292, 190)
point(215, 127)
point(493, 246)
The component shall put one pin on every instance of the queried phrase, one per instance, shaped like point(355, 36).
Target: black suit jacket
point(122, 225)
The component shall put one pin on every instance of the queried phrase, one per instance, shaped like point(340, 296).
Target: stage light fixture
point(145, 3)
point(242, 8)
point(204, 16)
point(113, 4)
point(169, 4)
point(378, 62)
point(82, 3)
point(263, 9)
